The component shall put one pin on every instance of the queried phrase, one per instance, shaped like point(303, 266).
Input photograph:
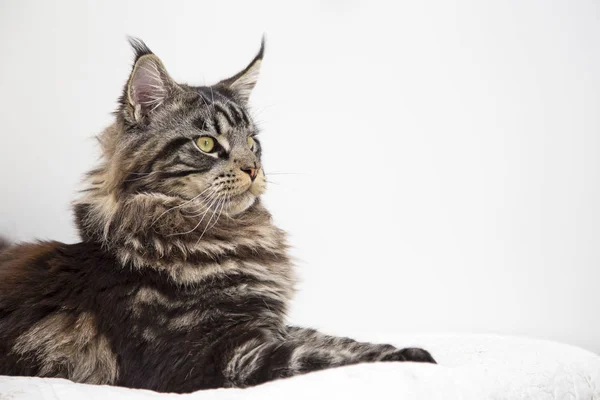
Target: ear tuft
point(244, 81)
point(139, 47)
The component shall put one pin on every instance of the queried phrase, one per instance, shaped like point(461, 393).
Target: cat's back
point(23, 269)
point(33, 272)
point(48, 292)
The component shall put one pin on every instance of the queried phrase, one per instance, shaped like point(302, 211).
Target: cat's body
point(181, 281)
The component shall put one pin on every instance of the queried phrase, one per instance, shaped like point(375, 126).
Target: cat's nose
point(252, 172)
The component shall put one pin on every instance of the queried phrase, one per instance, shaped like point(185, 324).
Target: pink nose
point(251, 171)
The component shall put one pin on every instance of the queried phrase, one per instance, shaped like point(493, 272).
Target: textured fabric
point(470, 367)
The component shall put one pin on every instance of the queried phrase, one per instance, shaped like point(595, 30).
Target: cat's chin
point(239, 204)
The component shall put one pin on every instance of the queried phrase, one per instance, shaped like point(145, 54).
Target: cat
point(181, 281)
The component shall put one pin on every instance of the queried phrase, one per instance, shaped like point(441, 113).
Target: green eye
point(206, 143)
point(251, 142)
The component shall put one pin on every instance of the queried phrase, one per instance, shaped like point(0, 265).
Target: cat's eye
point(251, 142)
point(206, 144)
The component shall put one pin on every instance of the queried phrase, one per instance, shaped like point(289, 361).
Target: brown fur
point(181, 281)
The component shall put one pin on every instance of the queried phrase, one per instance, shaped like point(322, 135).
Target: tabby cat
point(181, 281)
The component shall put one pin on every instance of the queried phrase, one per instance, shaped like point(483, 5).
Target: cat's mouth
point(230, 199)
point(245, 199)
point(239, 203)
point(229, 202)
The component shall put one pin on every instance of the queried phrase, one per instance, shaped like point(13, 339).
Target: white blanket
point(470, 367)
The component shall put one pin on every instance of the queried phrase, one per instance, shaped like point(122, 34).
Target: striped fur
point(181, 281)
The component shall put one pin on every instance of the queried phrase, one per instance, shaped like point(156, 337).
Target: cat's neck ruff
point(149, 230)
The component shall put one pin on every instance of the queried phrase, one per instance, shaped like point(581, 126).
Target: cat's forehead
point(216, 111)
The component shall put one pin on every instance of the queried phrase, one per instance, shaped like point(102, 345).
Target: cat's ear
point(149, 84)
point(244, 81)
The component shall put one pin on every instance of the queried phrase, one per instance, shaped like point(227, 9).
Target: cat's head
point(192, 142)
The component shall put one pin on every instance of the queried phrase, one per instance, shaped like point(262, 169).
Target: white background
point(441, 158)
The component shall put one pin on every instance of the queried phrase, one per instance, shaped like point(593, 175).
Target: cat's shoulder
point(31, 262)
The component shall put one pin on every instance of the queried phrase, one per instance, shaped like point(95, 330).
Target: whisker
point(216, 198)
point(204, 206)
point(216, 220)
point(208, 223)
point(206, 104)
point(258, 111)
point(144, 175)
point(286, 173)
point(182, 204)
point(212, 95)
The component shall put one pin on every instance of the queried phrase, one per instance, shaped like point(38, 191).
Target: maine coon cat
point(181, 281)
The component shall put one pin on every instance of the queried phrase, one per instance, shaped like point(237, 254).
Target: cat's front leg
point(363, 350)
point(304, 350)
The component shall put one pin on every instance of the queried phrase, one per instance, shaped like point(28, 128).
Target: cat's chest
point(213, 297)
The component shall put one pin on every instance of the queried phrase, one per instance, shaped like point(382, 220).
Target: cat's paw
point(410, 354)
